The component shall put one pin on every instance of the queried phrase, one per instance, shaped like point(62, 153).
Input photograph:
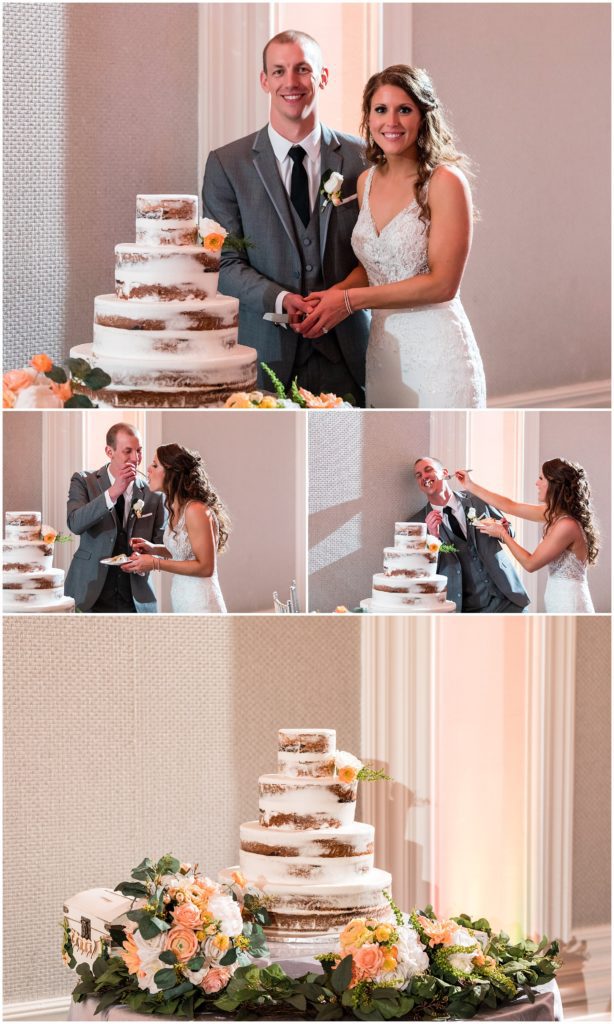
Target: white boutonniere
point(137, 508)
point(471, 514)
point(330, 189)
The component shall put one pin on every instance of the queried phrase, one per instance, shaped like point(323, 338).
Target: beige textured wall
point(583, 437)
point(592, 774)
point(360, 483)
point(22, 445)
point(151, 740)
point(526, 84)
point(101, 102)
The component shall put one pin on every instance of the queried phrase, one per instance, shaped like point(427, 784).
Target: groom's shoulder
point(238, 149)
point(419, 516)
point(348, 143)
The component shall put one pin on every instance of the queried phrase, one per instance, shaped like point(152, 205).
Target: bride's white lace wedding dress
point(192, 593)
point(426, 356)
point(567, 586)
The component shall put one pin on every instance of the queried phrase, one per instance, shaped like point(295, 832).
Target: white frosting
point(34, 554)
point(391, 591)
point(305, 764)
point(315, 842)
point(262, 869)
point(174, 314)
point(161, 349)
point(309, 802)
point(16, 525)
point(165, 232)
point(410, 582)
point(415, 530)
point(29, 583)
point(311, 898)
point(296, 755)
point(236, 365)
point(161, 268)
point(63, 606)
point(410, 563)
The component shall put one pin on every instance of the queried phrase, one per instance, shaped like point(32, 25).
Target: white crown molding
point(397, 726)
point(38, 1009)
point(594, 394)
point(550, 679)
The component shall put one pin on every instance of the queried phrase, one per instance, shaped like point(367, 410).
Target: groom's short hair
point(294, 36)
point(120, 428)
point(428, 458)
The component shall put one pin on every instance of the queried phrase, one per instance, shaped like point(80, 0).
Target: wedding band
point(324, 331)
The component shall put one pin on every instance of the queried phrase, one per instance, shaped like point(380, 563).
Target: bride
point(569, 542)
point(412, 238)
point(197, 528)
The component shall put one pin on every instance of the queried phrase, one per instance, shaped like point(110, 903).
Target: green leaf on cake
point(79, 368)
point(96, 379)
point(79, 402)
point(57, 375)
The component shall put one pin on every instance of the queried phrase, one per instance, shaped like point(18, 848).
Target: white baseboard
point(585, 980)
point(40, 1009)
point(594, 394)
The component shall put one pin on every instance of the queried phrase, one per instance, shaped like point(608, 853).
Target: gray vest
point(478, 588)
point(308, 239)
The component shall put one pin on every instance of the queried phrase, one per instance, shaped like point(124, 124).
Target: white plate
point(116, 560)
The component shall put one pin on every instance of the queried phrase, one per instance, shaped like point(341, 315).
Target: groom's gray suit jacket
point(96, 525)
point(243, 191)
point(492, 554)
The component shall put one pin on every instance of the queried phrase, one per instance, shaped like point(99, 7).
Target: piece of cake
point(306, 853)
point(29, 581)
point(410, 582)
point(166, 337)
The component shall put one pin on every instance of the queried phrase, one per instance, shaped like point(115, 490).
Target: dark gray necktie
point(454, 523)
point(120, 510)
point(299, 184)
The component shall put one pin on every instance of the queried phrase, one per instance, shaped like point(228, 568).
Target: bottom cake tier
point(369, 605)
point(62, 605)
point(210, 383)
point(322, 908)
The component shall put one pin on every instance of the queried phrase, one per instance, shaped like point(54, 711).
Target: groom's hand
point(296, 304)
point(433, 522)
point(124, 478)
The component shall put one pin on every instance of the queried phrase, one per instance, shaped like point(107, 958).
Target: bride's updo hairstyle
point(185, 480)
point(569, 494)
point(435, 142)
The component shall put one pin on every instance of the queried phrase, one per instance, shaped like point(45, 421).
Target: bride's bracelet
point(348, 304)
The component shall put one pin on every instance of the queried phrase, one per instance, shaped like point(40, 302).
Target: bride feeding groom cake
point(291, 189)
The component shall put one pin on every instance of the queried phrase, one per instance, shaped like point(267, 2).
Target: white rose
point(343, 759)
point(149, 951)
point(461, 937)
point(333, 183)
point(226, 910)
point(471, 514)
point(462, 962)
point(210, 227)
point(38, 396)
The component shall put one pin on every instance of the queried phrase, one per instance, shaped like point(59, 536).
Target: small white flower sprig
point(349, 768)
point(330, 188)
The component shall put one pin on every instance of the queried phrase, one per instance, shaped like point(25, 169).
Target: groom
point(266, 188)
point(480, 576)
point(106, 508)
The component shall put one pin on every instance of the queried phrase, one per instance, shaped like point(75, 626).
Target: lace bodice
point(567, 566)
point(400, 249)
point(199, 594)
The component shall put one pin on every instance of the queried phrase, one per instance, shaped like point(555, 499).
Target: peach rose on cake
point(41, 362)
point(187, 915)
point(182, 942)
point(347, 766)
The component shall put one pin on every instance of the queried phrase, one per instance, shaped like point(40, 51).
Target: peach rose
point(437, 931)
point(48, 534)
point(239, 400)
point(41, 362)
point(215, 980)
point(341, 610)
point(186, 915)
point(63, 391)
point(368, 960)
point(321, 401)
point(8, 397)
point(354, 933)
point(347, 774)
point(213, 242)
point(183, 942)
point(16, 380)
point(239, 879)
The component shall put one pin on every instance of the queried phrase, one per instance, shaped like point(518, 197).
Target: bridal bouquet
point(180, 944)
point(44, 385)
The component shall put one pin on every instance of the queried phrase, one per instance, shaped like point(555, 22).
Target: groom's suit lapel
point(266, 168)
point(331, 159)
point(138, 493)
point(102, 478)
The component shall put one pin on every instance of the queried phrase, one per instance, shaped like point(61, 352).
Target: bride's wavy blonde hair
point(435, 142)
point(185, 480)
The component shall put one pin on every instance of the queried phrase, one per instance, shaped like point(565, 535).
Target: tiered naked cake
point(29, 583)
point(313, 862)
point(167, 338)
point(410, 582)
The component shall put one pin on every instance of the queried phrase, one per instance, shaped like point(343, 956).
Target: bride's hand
point(462, 475)
point(329, 312)
point(139, 563)
point(495, 529)
point(141, 546)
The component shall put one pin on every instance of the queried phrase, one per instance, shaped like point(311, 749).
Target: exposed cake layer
point(165, 272)
point(233, 370)
point(305, 803)
point(399, 590)
point(313, 907)
point(37, 589)
point(306, 751)
point(156, 347)
point(26, 556)
point(165, 232)
point(413, 531)
point(220, 311)
point(163, 207)
point(62, 606)
point(22, 525)
point(400, 561)
point(338, 855)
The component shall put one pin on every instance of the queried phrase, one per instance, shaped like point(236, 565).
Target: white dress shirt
point(127, 496)
point(311, 162)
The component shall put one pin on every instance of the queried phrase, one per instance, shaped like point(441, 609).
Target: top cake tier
point(167, 220)
point(304, 752)
point(410, 535)
point(22, 525)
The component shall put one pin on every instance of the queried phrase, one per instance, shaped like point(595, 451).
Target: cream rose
point(226, 910)
point(333, 183)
